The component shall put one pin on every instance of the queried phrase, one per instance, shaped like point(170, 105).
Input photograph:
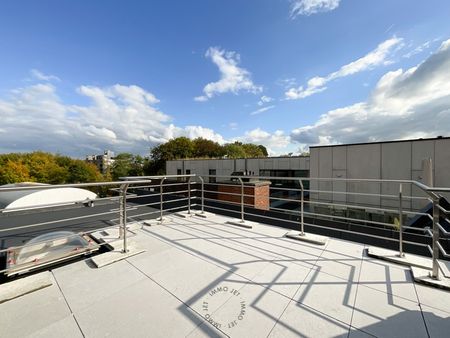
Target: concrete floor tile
point(438, 322)
point(84, 285)
point(32, 312)
point(347, 248)
point(282, 277)
point(433, 297)
point(339, 264)
point(396, 280)
point(252, 311)
point(328, 294)
point(385, 315)
point(302, 321)
point(141, 310)
point(66, 327)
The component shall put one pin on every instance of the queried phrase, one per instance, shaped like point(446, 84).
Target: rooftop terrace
point(201, 277)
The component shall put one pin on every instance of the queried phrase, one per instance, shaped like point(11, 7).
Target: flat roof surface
point(246, 282)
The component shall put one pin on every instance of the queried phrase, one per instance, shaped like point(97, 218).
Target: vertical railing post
point(189, 195)
point(302, 224)
point(161, 199)
point(123, 214)
point(400, 220)
point(242, 200)
point(435, 268)
point(203, 194)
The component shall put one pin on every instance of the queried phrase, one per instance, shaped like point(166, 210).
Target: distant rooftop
point(204, 278)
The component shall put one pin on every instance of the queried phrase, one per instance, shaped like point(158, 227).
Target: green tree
point(206, 148)
point(234, 150)
point(81, 172)
point(126, 164)
point(14, 171)
point(263, 150)
point(45, 168)
point(252, 150)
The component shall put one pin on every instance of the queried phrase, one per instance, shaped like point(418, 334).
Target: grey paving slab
point(252, 312)
point(389, 278)
point(282, 277)
point(303, 254)
point(25, 285)
point(141, 310)
point(422, 276)
point(433, 298)
point(169, 290)
point(347, 248)
point(150, 243)
point(66, 327)
point(385, 315)
point(339, 263)
point(438, 322)
point(328, 294)
point(192, 281)
point(301, 321)
point(33, 312)
point(393, 256)
point(84, 284)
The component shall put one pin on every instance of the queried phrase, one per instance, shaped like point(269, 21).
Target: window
point(213, 173)
point(178, 171)
point(188, 171)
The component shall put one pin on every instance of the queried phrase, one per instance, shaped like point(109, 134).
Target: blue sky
point(81, 77)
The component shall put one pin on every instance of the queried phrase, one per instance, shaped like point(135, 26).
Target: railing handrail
point(131, 182)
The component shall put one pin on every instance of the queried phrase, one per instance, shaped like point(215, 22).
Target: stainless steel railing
point(122, 194)
point(163, 191)
point(427, 194)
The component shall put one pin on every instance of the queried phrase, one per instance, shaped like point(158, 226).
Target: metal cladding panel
point(364, 161)
point(253, 165)
point(240, 165)
point(418, 204)
point(305, 163)
point(339, 187)
point(395, 165)
point(422, 150)
point(226, 164)
point(172, 166)
point(339, 158)
point(325, 171)
point(294, 163)
point(442, 163)
point(314, 171)
point(283, 163)
point(268, 164)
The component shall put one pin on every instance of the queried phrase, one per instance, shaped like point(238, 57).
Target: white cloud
point(286, 82)
point(233, 125)
point(38, 75)
point(404, 104)
point(262, 110)
point(375, 58)
point(233, 79)
point(419, 49)
point(121, 118)
point(264, 99)
point(308, 7)
point(275, 143)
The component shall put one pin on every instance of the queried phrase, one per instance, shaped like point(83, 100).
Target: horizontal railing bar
point(442, 250)
point(319, 226)
point(72, 185)
point(57, 221)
